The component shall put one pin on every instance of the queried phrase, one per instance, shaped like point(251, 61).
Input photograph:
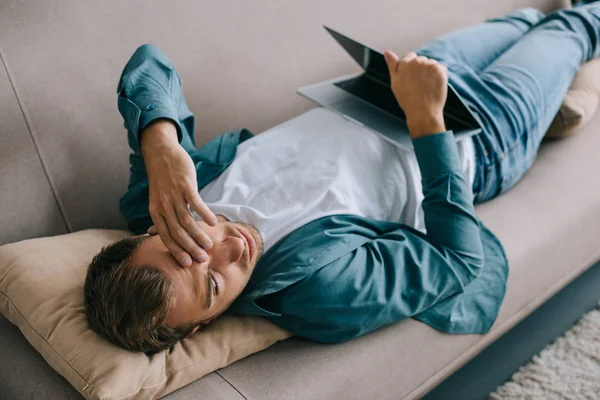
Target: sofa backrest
point(63, 148)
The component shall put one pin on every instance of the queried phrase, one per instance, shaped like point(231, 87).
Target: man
point(320, 225)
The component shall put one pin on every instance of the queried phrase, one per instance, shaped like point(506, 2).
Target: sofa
point(241, 63)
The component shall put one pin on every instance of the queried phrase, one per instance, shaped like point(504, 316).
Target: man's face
point(229, 264)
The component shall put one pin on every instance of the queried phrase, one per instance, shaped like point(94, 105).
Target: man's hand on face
point(420, 85)
point(173, 186)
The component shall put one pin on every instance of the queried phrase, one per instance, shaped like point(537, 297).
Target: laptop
point(367, 98)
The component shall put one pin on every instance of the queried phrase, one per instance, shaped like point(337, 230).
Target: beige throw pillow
point(580, 102)
point(41, 291)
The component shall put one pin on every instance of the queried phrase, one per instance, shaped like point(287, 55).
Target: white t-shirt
point(320, 164)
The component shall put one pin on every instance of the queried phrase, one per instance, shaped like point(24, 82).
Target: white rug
point(569, 368)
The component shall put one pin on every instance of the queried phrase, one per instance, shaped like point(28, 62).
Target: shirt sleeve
point(448, 208)
point(147, 91)
point(402, 271)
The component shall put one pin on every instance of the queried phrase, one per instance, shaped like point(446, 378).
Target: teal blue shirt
point(339, 276)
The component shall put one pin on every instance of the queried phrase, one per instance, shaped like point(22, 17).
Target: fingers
point(392, 61)
point(201, 208)
point(409, 57)
point(163, 230)
point(421, 60)
point(193, 228)
point(178, 232)
point(412, 56)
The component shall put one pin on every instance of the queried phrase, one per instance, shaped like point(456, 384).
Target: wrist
point(159, 134)
point(425, 125)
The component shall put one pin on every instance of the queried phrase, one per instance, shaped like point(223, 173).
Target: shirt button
point(502, 156)
point(133, 114)
point(150, 107)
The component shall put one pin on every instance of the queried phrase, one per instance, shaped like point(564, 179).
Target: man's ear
point(192, 332)
point(202, 324)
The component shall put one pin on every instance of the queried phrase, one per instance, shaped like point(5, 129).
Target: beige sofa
point(63, 165)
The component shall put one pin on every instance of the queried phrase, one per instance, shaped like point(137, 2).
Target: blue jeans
point(513, 72)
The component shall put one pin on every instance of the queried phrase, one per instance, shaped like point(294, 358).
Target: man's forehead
point(152, 252)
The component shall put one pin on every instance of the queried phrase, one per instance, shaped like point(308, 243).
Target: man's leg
point(474, 48)
point(517, 96)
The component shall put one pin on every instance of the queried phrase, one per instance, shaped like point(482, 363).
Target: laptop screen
point(456, 112)
point(370, 60)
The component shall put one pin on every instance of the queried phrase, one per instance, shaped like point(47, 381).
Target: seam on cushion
point(509, 323)
point(234, 388)
point(49, 345)
point(36, 144)
point(197, 363)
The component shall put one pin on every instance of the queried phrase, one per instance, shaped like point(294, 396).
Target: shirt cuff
point(158, 110)
point(437, 154)
point(137, 117)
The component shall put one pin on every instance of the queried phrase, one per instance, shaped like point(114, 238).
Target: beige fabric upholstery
point(41, 286)
point(27, 205)
point(240, 63)
point(580, 103)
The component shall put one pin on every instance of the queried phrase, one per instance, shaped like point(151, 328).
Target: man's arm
point(148, 100)
point(420, 85)
point(400, 272)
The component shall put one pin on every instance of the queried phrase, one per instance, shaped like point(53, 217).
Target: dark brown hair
point(128, 305)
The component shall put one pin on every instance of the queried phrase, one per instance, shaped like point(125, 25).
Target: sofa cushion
point(41, 291)
point(28, 206)
point(580, 103)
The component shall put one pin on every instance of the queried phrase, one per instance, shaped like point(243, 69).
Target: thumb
point(392, 61)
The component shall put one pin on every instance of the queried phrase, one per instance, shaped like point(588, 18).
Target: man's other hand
point(173, 186)
point(420, 85)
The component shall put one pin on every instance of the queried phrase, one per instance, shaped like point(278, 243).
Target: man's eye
point(215, 290)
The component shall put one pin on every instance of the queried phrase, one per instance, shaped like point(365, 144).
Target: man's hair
point(128, 305)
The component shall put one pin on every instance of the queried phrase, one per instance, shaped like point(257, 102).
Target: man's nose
point(233, 248)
